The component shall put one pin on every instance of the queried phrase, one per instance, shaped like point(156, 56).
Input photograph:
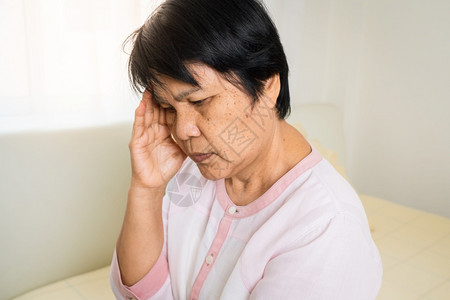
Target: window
point(62, 63)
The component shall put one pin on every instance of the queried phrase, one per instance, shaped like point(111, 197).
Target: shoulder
point(320, 205)
point(319, 239)
point(324, 194)
point(333, 259)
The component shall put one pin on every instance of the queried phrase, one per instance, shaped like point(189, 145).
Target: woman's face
point(216, 124)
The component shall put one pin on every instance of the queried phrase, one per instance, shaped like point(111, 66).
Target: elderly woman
point(227, 200)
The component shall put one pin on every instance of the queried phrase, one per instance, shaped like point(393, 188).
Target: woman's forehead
point(207, 78)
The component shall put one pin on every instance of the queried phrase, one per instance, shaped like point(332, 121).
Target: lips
point(200, 157)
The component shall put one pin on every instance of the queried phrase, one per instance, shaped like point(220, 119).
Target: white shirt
point(307, 237)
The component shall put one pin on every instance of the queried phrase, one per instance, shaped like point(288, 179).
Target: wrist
point(149, 195)
point(139, 185)
point(139, 190)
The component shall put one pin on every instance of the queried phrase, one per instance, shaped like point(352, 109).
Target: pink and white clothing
point(307, 237)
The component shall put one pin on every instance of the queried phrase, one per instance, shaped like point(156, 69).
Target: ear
point(272, 89)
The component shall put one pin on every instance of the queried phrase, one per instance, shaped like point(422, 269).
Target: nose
point(186, 126)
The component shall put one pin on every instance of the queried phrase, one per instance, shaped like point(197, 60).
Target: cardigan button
point(232, 210)
point(209, 259)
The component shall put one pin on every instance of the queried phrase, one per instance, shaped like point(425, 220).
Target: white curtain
point(62, 63)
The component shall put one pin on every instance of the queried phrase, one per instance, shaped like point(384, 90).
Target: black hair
point(237, 38)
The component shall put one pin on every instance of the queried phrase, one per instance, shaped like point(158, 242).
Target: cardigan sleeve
point(340, 263)
point(154, 285)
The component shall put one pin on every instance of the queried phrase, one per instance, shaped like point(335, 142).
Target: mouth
point(200, 157)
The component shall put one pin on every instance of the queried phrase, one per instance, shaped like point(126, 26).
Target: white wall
point(304, 30)
point(386, 65)
point(401, 141)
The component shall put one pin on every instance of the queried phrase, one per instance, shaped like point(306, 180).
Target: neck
point(286, 148)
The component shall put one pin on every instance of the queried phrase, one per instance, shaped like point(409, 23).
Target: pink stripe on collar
point(272, 193)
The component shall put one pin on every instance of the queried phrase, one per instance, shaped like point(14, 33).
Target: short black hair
point(237, 38)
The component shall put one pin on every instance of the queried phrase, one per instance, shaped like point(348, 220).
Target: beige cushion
point(327, 153)
point(62, 194)
point(321, 122)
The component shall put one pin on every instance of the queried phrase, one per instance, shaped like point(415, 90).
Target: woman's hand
point(155, 157)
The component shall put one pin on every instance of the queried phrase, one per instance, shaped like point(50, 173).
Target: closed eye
point(199, 102)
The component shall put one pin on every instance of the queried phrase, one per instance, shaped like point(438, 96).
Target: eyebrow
point(178, 97)
point(186, 93)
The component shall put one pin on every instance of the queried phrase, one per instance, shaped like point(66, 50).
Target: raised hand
point(155, 157)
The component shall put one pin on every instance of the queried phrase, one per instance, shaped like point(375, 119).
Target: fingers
point(162, 116)
point(147, 98)
point(148, 114)
point(139, 119)
point(143, 115)
point(154, 110)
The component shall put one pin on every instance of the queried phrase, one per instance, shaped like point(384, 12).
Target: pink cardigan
point(307, 237)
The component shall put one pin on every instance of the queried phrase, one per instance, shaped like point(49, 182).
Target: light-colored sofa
point(63, 193)
point(62, 196)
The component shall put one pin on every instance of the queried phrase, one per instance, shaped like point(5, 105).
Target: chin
point(213, 172)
